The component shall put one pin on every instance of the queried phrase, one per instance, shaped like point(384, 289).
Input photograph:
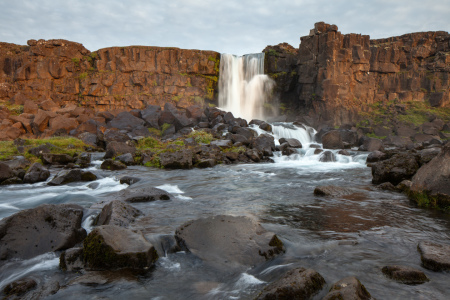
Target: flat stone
point(434, 256)
point(404, 274)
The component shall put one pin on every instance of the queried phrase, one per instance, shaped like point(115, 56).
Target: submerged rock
point(327, 156)
point(296, 284)
point(19, 287)
point(112, 247)
point(71, 259)
point(129, 180)
point(65, 177)
point(404, 274)
point(229, 241)
point(434, 256)
point(42, 229)
point(141, 194)
point(331, 190)
point(349, 288)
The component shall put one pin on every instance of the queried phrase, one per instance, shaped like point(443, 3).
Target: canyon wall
point(116, 78)
point(334, 77)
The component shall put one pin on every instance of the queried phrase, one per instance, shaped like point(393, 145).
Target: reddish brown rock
point(30, 107)
point(62, 123)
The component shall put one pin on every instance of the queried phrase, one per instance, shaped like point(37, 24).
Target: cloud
point(232, 26)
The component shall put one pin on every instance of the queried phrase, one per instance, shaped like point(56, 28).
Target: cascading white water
point(243, 87)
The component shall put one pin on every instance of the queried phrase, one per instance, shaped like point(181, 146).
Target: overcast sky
point(226, 26)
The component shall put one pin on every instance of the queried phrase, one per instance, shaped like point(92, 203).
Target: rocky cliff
point(120, 78)
point(335, 77)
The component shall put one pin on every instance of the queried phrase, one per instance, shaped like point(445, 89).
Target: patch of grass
point(64, 145)
point(76, 62)
point(14, 109)
point(201, 137)
point(240, 149)
point(149, 143)
point(373, 135)
point(154, 131)
point(7, 150)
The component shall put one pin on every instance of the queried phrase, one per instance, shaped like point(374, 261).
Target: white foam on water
point(183, 198)
point(47, 261)
point(165, 262)
point(88, 223)
point(8, 206)
point(270, 269)
point(173, 189)
point(246, 280)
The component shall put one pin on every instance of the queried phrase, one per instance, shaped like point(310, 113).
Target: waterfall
point(243, 87)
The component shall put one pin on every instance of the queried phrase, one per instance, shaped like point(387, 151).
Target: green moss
point(164, 127)
point(425, 200)
point(148, 143)
point(373, 135)
point(82, 76)
point(13, 109)
point(76, 62)
point(154, 132)
point(240, 149)
point(272, 52)
point(201, 137)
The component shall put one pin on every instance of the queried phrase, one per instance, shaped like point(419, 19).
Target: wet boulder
point(426, 155)
point(349, 137)
point(298, 284)
point(56, 159)
point(432, 181)
point(349, 288)
point(332, 140)
point(110, 247)
point(117, 213)
point(126, 159)
point(12, 180)
point(65, 177)
point(376, 156)
point(112, 165)
point(206, 163)
point(89, 138)
point(265, 126)
point(264, 143)
point(405, 274)
point(42, 229)
point(228, 241)
point(141, 194)
point(399, 167)
point(434, 256)
point(371, 144)
point(181, 159)
point(5, 172)
point(129, 180)
point(114, 135)
point(249, 134)
point(254, 155)
point(332, 190)
point(19, 287)
point(36, 173)
point(83, 160)
point(238, 138)
point(71, 259)
point(327, 156)
point(291, 142)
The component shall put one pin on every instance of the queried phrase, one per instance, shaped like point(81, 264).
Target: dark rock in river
point(71, 259)
point(228, 241)
point(126, 159)
point(65, 177)
point(327, 156)
point(114, 149)
point(331, 190)
point(404, 274)
point(293, 143)
point(117, 213)
point(332, 140)
point(19, 287)
point(112, 247)
point(12, 180)
point(395, 169)
point(5, 172)
point(112, 165)
point(371, 144)
point(297, 284)
point(349, 288)
point(141, 194)
point(434, 256)
point(176, 160)
point(36, 173)
point(264, 143)
point(42, 229)
point(376, 156)
point(129, 180)
point(56, 159)
point(432, 181)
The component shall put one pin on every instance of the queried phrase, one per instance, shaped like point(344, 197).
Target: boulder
point(254, 155)
point(331, 190)
point(126, 159)
point(41, 119)
point(238, 138)
point(181, 159)
point(264, 143)
point(68, 176)
point(19, 287)
point(36, 173)
point(71, 259)
point(114, 135)
point(434, 256)
point(376, 156)
point(114, 149)
point(426, 155)
point(228, 241)
point(126, 121)
point(265, 126)
point(83, 160)
point(63, 124)
point(395, 169)
point(117, 213)
point(332, 140)
point(42, 229)
point(5, 172)
point(89, 139)
point(56, 159)
point(12, 180)
point(349, 288)
point(298, 284)
point(327, 156)
point(206, 163)
point(291, 142)
point(404, 274)
point(248, 133)
point(41, 149)
point(371, 144)
point(112, 165)
point(151, 116)
point(129, 180)
point(141, 194)
point(110, 247)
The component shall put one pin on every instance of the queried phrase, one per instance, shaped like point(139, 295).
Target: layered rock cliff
point(120, 78)
point(335, 77)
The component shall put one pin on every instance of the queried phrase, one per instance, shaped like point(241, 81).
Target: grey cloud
point(233, 26)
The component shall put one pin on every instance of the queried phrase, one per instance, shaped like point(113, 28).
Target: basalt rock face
point(340, 76)
point(122, 78)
